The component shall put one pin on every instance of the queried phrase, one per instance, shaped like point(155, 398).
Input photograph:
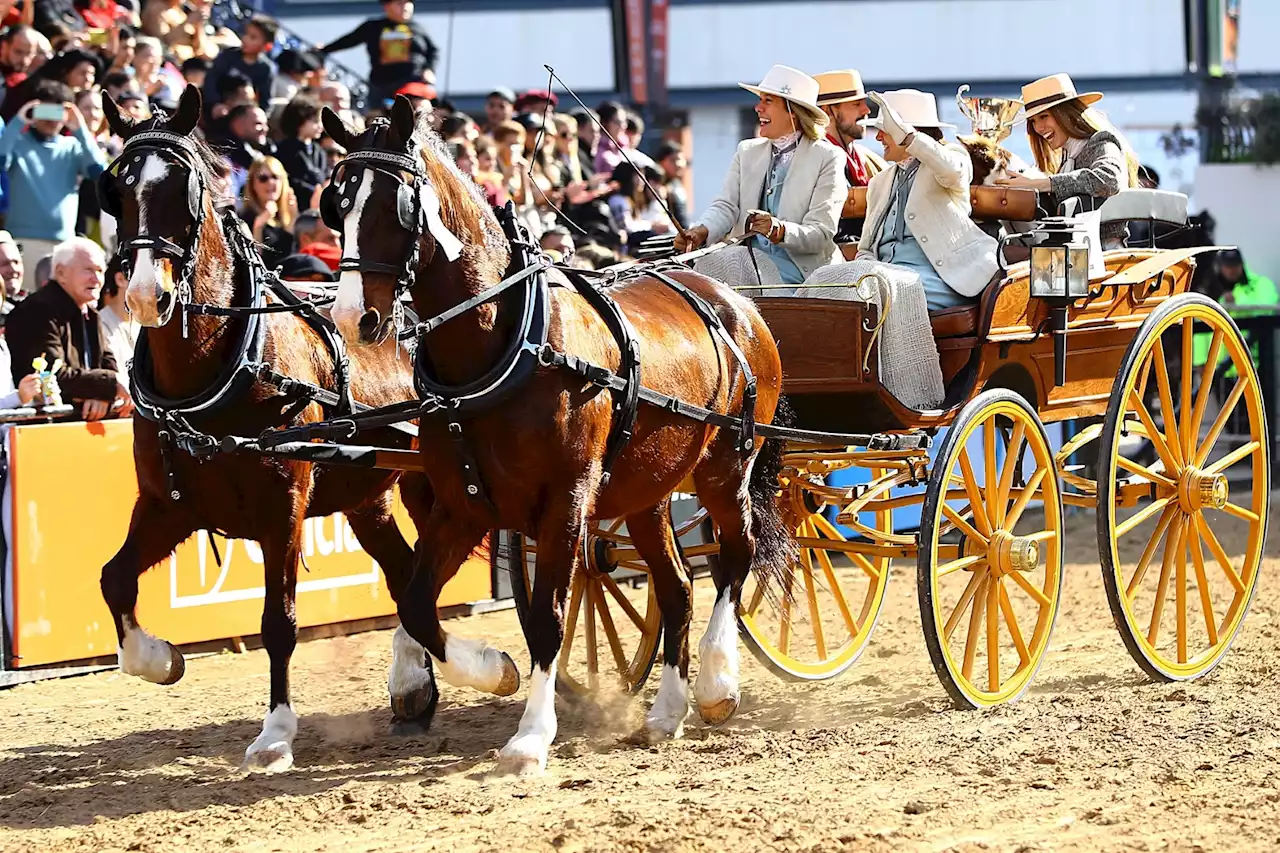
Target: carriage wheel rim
point(997, 570)
point(1195, 500)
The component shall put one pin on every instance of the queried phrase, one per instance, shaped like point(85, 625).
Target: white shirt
point(8, 395)
point(122, 337)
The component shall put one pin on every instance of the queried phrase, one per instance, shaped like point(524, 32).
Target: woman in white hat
point(919, 238)
point(786, 186)
point(1079, 150)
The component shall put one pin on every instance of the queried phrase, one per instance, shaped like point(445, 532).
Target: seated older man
point(60, 322)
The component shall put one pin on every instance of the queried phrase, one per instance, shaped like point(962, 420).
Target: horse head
point(157, 192)
point(401, 208)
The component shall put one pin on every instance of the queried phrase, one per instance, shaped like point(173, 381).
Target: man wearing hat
point(536, 101)
point(499, 108)
point(842, 98)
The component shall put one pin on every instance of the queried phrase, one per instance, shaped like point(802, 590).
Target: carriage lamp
point(1059, 275)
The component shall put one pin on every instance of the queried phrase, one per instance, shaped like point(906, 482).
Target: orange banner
point(73, 488)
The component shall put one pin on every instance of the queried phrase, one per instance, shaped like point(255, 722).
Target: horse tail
point(776, 550)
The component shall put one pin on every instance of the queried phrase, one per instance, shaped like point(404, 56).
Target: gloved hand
point(892, 124)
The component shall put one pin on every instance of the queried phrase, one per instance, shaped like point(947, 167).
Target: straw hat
point(792, 85)
point(839, 87)
point(1053, 90)
point(916, 108)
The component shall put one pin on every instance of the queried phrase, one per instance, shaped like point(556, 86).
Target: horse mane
point(463, 208)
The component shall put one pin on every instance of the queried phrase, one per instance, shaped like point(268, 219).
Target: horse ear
point(336, 128)
point(188, 115)
point(403, 119)
point(121, 125)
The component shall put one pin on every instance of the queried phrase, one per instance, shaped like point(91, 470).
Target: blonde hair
point(1078, 121)
point(286, 205)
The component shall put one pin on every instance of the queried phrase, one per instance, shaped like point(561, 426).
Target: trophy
point(991, 117)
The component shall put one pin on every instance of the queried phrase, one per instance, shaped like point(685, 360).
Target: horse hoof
point(416, 706)
point(510, 681)
point(718, 712)
point(518, 765)
point(522, 756)
point(273, 759)
point(177, 666)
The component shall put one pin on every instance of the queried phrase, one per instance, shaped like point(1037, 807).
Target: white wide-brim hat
point(792, 85)
point(916, 108)
point(1048, 92)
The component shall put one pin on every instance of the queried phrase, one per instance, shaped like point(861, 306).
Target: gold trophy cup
point(991, 117)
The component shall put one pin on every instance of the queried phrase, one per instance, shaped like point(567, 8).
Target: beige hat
point(839, 87)
point(918, 109)
point(1053, 90)
point(795, 86)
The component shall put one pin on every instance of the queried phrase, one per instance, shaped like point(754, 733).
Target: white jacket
point(812, 197)
point(938, 214)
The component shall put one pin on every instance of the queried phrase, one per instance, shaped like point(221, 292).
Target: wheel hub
point(1009, 553)
point(598, 560)
point(1199, 490)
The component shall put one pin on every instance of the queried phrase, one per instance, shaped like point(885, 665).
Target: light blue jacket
point(44, 176)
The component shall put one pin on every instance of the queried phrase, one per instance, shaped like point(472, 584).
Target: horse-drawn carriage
point(1143, 445)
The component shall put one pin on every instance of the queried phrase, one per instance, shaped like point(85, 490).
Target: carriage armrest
point(855, 204)
point(1159, 205)
point(1012, 204)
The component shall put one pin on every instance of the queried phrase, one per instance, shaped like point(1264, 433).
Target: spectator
point(60, 323)
point(195, 70)
point(566, 150)
point(418, 93)
point(1239, 287)
point(78, 69)
point(593, 256)
point(134, 104)
point(536, 101)
point(613, 116)
point(234, 89)
point(55, 17)
point(118, 328)
point(44, 269)
point(458, 127)
point(464, 156)
point(317, 239)
point(486, 169)
point(103, 14)
point(246, 142)
point(182, 27)
point(305, 268)
point(160, 83)
point(300, 152)
point(399, 50)
point(269, 208)
point(636, 214)
point(117, 82)
point(588, 137)
point(298, 70)
point(18, 50)
point(10, 277)
point(249, 59)
point(499, 108)
point(671, 162)
point(509, 139)
point(557, 242)
point(126, 48)
point(44, 167)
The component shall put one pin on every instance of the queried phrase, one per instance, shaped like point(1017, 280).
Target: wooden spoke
point(975, 499)
point(1141, 515)
point(1161, 369)
point(1171, 462)
point(1143, 471)
point(593, 662)
point(1219, 553)
point(838, 593)
point(975, 626)
point(1240, 512)
point(1241, 452)
point(1029, 588)
point(1162, 525)
point(965, 597)
point(815, 615)
point(1006, 607)
point(962, 563)
point(1202, 396)
point(1028, 492)
point(993, 634)
point(1166, 569)
point(634, 615)
point(964, 526)
point(1202, 583)
point(1211, 438)
point(611, 633)
point(571, 621)
point(1184, 437)
point(866, 565)
point(820, 523)
point(990, 485)
point(1013, 453)
point(1180, 593)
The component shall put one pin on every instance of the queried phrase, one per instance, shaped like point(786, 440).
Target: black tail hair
point(776, 550)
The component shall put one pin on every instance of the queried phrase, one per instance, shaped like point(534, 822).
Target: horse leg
point(272, 751)
point(559, 537)
point(155, 529)
point(655, 541)
point(410, 681)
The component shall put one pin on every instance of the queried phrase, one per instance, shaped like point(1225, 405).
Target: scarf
point(1070, 152)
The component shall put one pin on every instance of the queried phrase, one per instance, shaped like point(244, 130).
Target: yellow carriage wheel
point(817, 627)
point(1181, 537)
point(990, 560)
point(612, 623)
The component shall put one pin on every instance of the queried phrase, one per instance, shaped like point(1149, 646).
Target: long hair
point(286, 205)
point(1078, 121)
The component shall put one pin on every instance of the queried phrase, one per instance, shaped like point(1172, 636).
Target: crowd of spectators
point(64, 291)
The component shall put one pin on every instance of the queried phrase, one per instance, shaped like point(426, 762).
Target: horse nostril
point(369, 322)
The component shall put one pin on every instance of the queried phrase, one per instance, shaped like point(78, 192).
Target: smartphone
point(48, 112)
point(97, 38)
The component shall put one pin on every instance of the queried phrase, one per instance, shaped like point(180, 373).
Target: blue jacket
point(44, 176)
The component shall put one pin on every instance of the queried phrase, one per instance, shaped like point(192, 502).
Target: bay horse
point(182, 251)
point(535, 460)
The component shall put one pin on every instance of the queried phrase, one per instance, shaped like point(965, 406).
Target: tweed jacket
point(1099, 171)
point(812, 197)
point(938, 213)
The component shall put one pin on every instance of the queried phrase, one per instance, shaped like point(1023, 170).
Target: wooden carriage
point(1164, 435)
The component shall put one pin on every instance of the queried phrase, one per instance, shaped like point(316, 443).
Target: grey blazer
point(1100, 171)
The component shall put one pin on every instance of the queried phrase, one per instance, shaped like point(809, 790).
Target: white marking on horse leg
point(147, 657)
point(717, 686)
point(476, 664)
point(670, 707)
point(526, 752)
point(272, 752)
point(409, 672)
point(348, 304)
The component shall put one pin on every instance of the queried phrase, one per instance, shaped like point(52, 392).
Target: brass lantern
point(1059, 262)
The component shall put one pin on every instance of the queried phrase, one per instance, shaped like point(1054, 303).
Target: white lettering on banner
point(314, 538)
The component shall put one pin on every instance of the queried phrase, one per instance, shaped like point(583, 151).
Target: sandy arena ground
point(1095, 757)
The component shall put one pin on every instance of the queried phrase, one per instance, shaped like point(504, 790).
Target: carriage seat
point(1160, 205)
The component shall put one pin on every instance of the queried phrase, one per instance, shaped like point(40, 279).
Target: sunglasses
point(565, 135)
point(267, 177)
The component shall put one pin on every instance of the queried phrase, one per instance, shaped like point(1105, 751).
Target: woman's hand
point(894, 127)
point(766, 225)
point(75, 119)
point(28, 388)
point(691, 239)
point(1042, 185)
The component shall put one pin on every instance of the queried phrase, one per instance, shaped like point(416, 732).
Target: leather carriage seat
point(1160, 205)
point(964, 321)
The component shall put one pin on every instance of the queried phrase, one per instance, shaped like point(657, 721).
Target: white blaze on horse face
point(717, 686)
point(143, 655)
point(476, 664)
point(272, 752)
point(526, 752)
point(150, 276)
point(348, 306)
